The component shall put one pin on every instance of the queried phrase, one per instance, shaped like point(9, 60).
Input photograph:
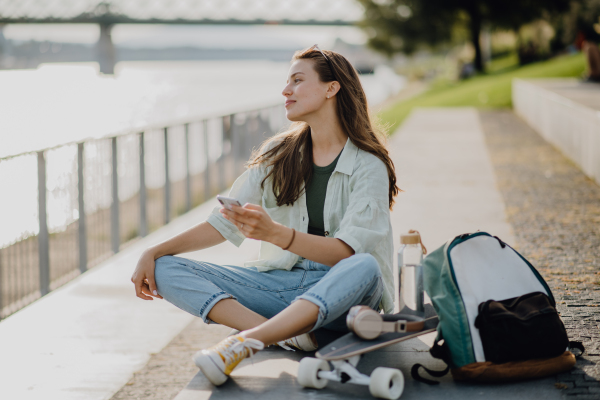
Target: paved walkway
point(88, 339)
point(449, 188)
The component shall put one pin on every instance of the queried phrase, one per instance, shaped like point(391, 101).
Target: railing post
point(167, 181)
point(222, 175)
point(143, 202)
point(207, 188)
point(82, 228)
point(188, 178)
point(235, 145)
point(1, 285)
point(43, 237)
point(245, 141)
point(248, 141)
point(251, 133)
point(114, 209)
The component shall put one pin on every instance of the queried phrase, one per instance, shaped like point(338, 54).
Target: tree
point(396, 26)
point(583, 16)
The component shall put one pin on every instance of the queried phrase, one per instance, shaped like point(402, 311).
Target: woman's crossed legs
point(198, 288)
point(270, 306)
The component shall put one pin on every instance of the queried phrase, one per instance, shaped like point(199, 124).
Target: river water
point(58, 104)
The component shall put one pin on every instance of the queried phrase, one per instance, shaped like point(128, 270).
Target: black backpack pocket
point(521, 328)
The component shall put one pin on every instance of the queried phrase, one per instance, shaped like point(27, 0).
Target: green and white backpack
point(482, 287)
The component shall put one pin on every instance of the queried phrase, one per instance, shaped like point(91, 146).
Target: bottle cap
point(410, 238)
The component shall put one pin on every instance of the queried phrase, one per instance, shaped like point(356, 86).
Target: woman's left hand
point(253, 221)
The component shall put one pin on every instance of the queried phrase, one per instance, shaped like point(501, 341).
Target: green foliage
point(395, 26)
point(487, 91)
point(583, 15)
point(503, 63)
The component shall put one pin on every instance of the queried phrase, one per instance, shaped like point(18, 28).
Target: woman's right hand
point(143, 277)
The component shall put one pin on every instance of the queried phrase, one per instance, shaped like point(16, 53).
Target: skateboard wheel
point(386, 383)
point(308, 373)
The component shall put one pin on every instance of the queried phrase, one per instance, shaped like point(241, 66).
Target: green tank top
point(315, 197)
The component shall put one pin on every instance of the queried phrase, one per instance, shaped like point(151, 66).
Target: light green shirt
point(356, 211)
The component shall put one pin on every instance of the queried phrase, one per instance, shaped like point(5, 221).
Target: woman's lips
point(287, 103)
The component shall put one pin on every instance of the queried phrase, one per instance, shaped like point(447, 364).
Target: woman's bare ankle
point(248, 335)
point(254, 333)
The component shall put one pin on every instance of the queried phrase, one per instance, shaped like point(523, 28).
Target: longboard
point(351, 345)
point(344, 354)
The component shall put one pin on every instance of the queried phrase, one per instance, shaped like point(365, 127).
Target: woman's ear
point(332, 89)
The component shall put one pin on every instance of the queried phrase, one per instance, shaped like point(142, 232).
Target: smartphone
point(228, 201)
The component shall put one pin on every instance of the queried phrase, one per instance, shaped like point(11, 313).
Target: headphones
point(368, 324)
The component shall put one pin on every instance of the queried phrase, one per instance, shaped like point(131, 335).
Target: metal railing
point(97, 196)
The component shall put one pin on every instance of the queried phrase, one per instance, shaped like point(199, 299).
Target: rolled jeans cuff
point(210, 303)
point(319, 302)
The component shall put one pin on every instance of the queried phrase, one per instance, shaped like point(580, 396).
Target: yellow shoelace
point(234, 349)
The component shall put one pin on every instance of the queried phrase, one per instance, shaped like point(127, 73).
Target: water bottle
point(410, 269)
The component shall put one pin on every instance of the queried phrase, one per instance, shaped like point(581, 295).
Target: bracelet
point(293, 236)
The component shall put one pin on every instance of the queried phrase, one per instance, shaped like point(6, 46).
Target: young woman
point(318, 197)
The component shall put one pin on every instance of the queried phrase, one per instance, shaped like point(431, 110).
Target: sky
point(205, 36)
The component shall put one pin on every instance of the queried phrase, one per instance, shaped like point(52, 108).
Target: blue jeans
point(196, 286)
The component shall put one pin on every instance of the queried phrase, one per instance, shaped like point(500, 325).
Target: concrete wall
point(566, 112)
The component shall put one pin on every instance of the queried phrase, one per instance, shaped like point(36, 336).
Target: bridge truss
point(107, 13)
point(285, 12)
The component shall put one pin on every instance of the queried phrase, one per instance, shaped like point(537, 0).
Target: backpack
point(497, 316)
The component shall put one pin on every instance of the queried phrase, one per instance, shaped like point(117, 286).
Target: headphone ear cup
point(365, 322)
point(354, 311)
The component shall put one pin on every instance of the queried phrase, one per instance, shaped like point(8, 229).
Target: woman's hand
point(143, 277)
point(254, 222)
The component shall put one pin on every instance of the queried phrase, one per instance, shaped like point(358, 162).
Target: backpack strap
point(414, 372)
point(437, 351)
point(577, 345)
point(502, 244)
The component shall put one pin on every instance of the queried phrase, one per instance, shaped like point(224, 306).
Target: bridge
point(206, 12)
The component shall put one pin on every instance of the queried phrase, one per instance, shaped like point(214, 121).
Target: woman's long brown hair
point(293, 148)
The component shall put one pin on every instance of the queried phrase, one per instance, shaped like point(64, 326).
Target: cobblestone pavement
point(555, 213)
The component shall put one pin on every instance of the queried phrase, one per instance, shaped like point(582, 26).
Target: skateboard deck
point(351, 345)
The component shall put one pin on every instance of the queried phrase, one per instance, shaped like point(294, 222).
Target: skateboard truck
point(345, 371)
point(385, 383)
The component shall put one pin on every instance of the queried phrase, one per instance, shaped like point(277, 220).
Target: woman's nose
point(286, 90)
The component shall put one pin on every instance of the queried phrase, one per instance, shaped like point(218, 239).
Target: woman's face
point(304, 93)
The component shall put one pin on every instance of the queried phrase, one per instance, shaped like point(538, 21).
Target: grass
point(492, 90)
point(502, 64)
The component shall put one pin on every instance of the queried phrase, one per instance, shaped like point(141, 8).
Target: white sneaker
point(218, 361)
point(304, 342)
